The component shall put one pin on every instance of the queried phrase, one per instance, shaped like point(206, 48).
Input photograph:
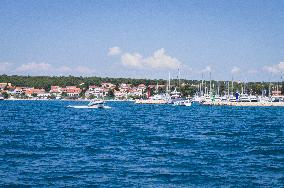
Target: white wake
point(90, 107)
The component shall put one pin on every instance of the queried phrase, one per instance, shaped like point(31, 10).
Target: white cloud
point(235, 70)
point(281, 66)
point(207, 69)
point(48, 69)
point(274, 69)
point(132, 60)
point(159, 60)
point(5, 67)
point(114, 51)
point(83, 70)
point(252, 71)
point(64, 69)
point(34, 67)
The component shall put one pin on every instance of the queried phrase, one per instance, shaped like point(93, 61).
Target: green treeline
point(185, 86)
point(47, 81)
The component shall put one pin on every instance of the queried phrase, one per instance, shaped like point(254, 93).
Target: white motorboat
point(186, 102)
point(156, 99)
point(96, 104)
point(264, 99)
point(248, 98)
point(175, 94)
point(197, 99)
point(253, 98)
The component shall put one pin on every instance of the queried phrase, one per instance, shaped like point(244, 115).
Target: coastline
point(81, 100)
point(281, 104)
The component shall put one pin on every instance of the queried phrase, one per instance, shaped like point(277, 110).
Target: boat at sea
point(96, 104)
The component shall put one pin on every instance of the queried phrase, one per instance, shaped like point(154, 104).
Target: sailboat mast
point(202, 93)
point(269, 90)
point(229, 89)
point(218, 89)
point(157, 88)
point(210, 83)
point(232, 84)
point(178, 77)
point(169, 86)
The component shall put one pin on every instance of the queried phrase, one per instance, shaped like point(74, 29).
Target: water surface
point(43, 143)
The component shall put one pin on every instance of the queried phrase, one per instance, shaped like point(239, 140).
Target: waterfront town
point(104, 90)
point(122, 91)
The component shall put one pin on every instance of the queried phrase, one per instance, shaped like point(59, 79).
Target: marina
point(225, 103)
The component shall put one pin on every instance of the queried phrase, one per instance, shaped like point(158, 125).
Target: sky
point(240, 40)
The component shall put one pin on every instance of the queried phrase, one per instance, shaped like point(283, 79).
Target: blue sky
point(143, 39)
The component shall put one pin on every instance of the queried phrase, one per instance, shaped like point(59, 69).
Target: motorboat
point(278, 98)
point(96, 104)
point(248, 98)
point(197, 99)
point(253, 98)
point(264, 99)
point(156, 99)
point(175, 94)
point(182, 102)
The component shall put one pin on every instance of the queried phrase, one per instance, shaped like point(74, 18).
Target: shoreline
point(81, 100)
point(281, 104)
point(220, 103)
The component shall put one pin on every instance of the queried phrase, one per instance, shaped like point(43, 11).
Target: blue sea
point(44, 143)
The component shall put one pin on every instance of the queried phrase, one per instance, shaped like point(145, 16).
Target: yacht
point(96, 104)
point(156, 99)
point(277, 98)
point(244, 98)
point(182, 102)
point(248, 98)
point(175, 94)
point(264, 99)
point(197, 99)
point(253, 98)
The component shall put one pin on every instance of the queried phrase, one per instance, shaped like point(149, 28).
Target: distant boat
point(156, 99)
point(248, 98)
point(96, 104)
point(186, 102)
point(175, 94)
point(197, 99)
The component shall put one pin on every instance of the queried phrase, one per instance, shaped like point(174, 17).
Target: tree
point(116, 87)
point(64, 94)
point(110, 93)
point(82, 94)
point(91, 96)
point(5, 95)
point(23, 96)
point(34, 94)
point(52, 96)
point(188, 90)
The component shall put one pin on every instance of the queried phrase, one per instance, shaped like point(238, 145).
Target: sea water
point(45, 143)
